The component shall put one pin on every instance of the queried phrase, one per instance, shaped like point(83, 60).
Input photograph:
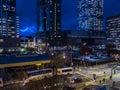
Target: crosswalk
point(88, 77)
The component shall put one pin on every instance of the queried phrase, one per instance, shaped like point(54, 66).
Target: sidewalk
point(107, 82)
point(110, 82)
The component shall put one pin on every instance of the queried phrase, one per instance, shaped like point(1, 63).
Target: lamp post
point(52, 62)
point(51, 54)
point(71, 56)
point(72, 65)
point(64, 57)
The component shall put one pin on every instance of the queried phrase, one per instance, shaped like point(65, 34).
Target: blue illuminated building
point(90, 15)
point(8, 19)
point(113, 30)
point(9, 26)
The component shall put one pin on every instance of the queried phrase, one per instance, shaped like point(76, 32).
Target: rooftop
point(18, 60)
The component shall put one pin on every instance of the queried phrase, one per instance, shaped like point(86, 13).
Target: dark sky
point(26, 9)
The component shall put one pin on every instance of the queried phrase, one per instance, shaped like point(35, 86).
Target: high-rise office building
point(8, 18)
point(17, 27)
point(9, 24)
point(90, 15)
point(113, 30)
point(41, 15)
point(49, 20)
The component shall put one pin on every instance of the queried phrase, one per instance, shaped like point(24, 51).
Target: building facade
point(113, 30)
point(90, 15)
point(41, 15)
point(78, 37)
point(49, 19)
point(9, 24)
point(8, 18)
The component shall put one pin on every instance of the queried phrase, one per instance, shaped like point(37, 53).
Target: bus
point(64, 71)
point(1, 82)
point(39, 73)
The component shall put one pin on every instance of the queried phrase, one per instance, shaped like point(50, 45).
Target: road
point(101, 71)
point(86, 73)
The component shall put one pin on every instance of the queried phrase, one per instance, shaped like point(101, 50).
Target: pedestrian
point(113, 83)
point(114, 72)
point(110, 77)
point(103, 80)
point(100, 81)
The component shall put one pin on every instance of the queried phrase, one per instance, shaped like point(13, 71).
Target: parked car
point(77, 80)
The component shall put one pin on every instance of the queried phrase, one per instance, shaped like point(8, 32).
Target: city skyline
point(59, 45)
point(69, 14)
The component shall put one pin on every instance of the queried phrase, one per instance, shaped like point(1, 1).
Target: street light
point(71, 59)
point(71, 55)
point(64, 57)
point(52, 53)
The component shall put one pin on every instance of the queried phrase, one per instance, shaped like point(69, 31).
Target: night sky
point(26, 10)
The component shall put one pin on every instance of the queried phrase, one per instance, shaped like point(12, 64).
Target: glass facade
point(90, 15)
point(49, 19)
point(55, 18)
point(41, 15)
point(113, 29)
point(8, 26)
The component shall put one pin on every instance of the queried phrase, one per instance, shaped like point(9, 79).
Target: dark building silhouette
point(49, 19)
point(41, 15)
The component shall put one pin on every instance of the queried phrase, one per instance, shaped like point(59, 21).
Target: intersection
point(102, 72)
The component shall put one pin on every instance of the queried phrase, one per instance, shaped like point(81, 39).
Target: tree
point(30, 49)
point(72, 42)
point(85, 49)
point(50, 83)
point(109, 48)
point(57, 62)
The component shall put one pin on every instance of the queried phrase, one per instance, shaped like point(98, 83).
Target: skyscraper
point(90, 15)
point(113, 30)
point(8, 18)
point(9, 24)
point(49, 20)
point(41, 15)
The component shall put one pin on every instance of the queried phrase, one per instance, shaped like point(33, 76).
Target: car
point(77, 80)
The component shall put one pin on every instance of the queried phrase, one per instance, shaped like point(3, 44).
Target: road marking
point(85, 76)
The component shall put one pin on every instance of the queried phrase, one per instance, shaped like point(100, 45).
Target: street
point(101, 72)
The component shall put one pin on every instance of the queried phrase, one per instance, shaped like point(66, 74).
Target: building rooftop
point(19, 60)
point(78, 33)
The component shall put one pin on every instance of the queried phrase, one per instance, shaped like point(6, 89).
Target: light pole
point(52, 54)
point(52, 62)
point(64, 57)
point(72, 64)
point(71, 56)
